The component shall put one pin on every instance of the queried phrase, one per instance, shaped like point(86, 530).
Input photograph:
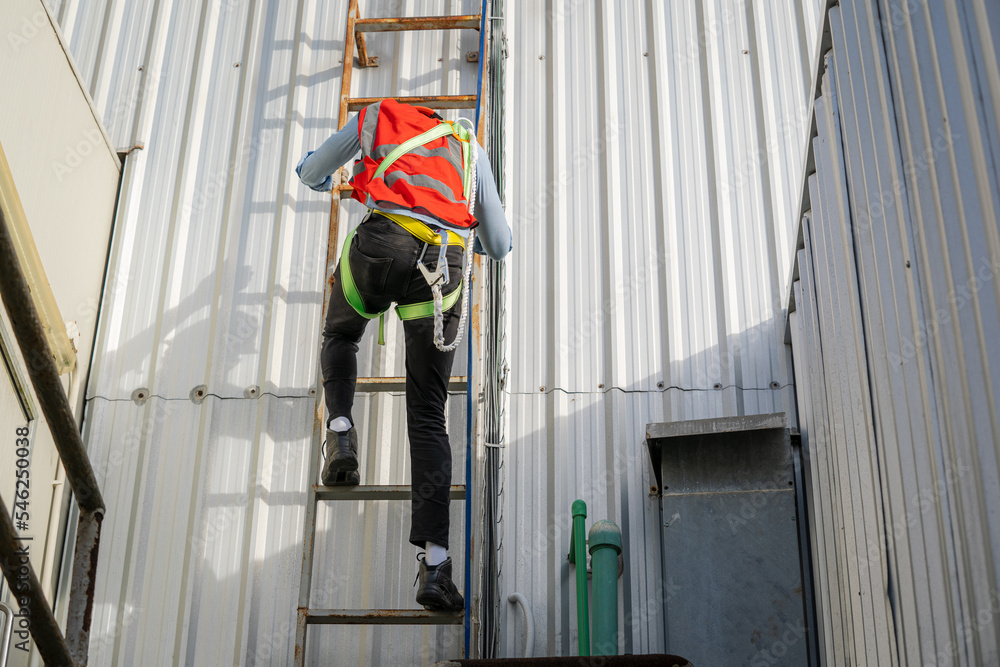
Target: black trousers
point(383, 259)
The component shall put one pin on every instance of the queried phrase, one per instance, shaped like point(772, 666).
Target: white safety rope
point(466, 275)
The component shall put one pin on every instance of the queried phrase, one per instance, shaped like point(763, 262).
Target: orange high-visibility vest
point(427, 179)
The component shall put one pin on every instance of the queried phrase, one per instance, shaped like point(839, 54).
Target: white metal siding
point(653, 158)
point(648, 166)
point(216, 279)
point(906, 545)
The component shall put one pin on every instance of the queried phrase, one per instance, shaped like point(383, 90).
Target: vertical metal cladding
point(216, 279)
point(895, 330)
point(654, 153)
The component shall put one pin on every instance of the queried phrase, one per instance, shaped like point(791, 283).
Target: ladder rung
point(456, 383)
point(376, 492)
point(432, 101)
point(418, 23)
point(382, 617)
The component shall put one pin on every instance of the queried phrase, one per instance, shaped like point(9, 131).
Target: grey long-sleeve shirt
point(493, 234)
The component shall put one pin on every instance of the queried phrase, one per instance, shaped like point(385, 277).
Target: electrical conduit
point(529, 642)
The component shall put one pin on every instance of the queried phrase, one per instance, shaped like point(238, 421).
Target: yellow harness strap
point(422, 231)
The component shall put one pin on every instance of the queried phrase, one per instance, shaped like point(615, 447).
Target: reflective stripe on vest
point(367, 130)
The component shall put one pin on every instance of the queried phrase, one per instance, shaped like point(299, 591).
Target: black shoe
point(341, 465)
point(437, 591)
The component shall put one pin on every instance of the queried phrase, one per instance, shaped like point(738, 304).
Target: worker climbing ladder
point(357, 27)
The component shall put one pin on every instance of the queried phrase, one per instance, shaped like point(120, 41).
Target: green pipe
point(605, 546)
point(578, 550)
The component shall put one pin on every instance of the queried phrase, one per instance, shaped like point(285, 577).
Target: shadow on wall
point(592, 446)
point(589, 446)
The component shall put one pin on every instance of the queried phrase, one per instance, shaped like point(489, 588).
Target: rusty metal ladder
point(355, 36)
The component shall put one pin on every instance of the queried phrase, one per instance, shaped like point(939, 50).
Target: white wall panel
point(914, 197)
point(654, 151)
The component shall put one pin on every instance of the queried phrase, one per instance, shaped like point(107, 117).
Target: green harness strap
point(411, 311)
point(436, 132)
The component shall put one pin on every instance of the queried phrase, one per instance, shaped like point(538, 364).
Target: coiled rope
point(466, 273)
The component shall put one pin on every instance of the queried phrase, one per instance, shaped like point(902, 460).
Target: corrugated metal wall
point(652, 165)
point(653, 161)
point(216, 281)
point(896, 334)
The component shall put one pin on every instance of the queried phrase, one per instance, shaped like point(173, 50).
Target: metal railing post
point(32, 605)
point(65, 433)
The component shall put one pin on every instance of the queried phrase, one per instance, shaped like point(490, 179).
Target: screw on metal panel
point(312, 392)
point(472, 56)
point(646, 54)
point(541, 57)
point(907, 263)
point(541, 389)
point(774, 384)
point(659, 385)
point(745, 52)
point(372, 61)
point(198, 394)
point(253, 391)
point(140, 395)
point(600, 386)
point(140, 68)
point(717, 385)
point(236, 64)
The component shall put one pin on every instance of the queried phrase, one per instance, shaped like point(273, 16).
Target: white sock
point(340, 425)
point(436, 554)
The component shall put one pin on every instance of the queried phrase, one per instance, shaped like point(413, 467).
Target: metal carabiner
point(439, 276)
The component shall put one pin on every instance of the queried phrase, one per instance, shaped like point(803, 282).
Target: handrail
point(41, 367)
point(578, 556)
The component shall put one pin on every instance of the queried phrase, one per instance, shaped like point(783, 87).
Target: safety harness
point(439, 277)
